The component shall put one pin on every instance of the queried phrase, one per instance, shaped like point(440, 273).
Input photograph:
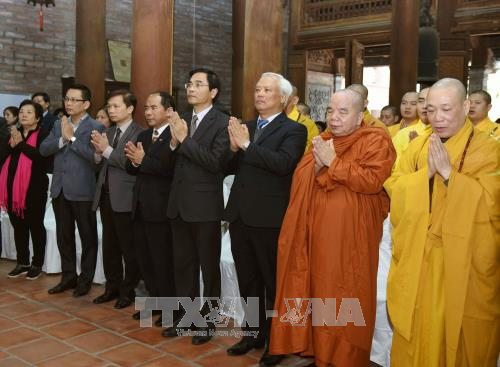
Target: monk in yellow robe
point(389, 115)
point(293, 114)
point(443, 287)
point(480, 105)
point(408, 108)
point(328, 245)
point(368, 118)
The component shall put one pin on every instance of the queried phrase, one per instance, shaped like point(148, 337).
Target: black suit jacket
point(47, 125)
point(263, 173)
point(154, 176)
point(196, 193)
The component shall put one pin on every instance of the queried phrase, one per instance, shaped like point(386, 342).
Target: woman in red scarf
point(23, 189)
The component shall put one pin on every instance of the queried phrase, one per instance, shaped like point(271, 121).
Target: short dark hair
point(167, 100)
point(212, 78)
point(44, 95)
point(128, 98)
point(12, 109)
point(86, 94)
point(486, 96)
point(36, 106)
point(393, 110)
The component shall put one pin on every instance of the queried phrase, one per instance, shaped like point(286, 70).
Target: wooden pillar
point(404, 49)
point(257, 48)
point(152, 50)
point(91, 49)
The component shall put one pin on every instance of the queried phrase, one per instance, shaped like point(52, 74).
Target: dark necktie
point(155, 136)
point(192, 128)
point(261, 124)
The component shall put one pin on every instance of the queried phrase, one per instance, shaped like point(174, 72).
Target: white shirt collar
point(270, 118)
point(201, 114)
point(161, 129)
point(125, 126)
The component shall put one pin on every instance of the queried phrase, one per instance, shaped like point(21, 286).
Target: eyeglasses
point(194, 85)
point(73, 100)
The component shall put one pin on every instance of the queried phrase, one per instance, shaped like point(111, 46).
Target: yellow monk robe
point(312, 129)
point(371, 121)
point(489, 127)
point(443, 287)
point(394, 129)
point(328, 246)
point(402, 139)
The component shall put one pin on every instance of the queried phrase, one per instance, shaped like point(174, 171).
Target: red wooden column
point(152, 50)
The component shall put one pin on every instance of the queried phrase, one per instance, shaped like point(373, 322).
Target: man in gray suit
point(114, 195)
point(73, 189)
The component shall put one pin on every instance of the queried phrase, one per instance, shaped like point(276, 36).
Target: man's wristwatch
point(245, 146)
point(73, 139)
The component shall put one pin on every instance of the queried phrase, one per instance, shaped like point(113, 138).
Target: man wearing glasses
point(196, 199)
point(73, 188)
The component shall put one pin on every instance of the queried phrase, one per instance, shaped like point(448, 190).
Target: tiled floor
point(38, 329)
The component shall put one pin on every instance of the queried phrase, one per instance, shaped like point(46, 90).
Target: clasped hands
point(239, 137)
point(67, 130)
point(99, 141)
point(15, 137)
point(323, 152)
point(438, 160)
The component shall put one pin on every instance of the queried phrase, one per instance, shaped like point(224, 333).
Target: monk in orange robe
point(328, 245)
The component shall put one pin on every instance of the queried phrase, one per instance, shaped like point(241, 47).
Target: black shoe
point(81, 290)
point(61, 287)
point(34, 272)
point(137, 315)
point(123, 302)
point(105, 297)
point(206, 333)
point(270, 359)
point(18, 271)
point(244, 346)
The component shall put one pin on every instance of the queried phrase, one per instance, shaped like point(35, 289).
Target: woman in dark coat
point(23, 189)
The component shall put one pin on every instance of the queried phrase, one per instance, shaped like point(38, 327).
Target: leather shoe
point(123, 302)
point(205, 334)
point(81, 290)
point(244, 346)
point(137, 315)
point(106, 297)
point(270, 359)
point(62, 286)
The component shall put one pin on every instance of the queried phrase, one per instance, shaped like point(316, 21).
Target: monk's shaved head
point(453, 84)
point(360, 88)
point(344, 114)
point(357, 100)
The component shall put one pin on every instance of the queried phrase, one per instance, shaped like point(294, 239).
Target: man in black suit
point(196, 201)
point(48, 120)
point(151, 160)
point(114, 196)
point(265, 153)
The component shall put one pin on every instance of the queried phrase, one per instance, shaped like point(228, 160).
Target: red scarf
point(21, 182)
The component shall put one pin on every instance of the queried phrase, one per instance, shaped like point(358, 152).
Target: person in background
point(23, 190)
point(304, 109)
point(408, 109)
point(48, 119)
point(59, 113)
point(480, 105)
point(321, 125)
point(389, 115)
point(10, 114)
point(103, 117)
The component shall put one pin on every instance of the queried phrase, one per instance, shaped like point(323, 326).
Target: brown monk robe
point(328, 246)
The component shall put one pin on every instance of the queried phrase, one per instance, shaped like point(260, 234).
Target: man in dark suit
point(265, 153)
point(114, 196)
point(73, 189)
point(48, 120)
point(151, 160)
point(196, 200)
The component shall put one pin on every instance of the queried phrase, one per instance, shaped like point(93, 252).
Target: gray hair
point(285, 86)
point(357, 100)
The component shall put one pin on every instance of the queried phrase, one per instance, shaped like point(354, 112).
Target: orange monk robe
point(371, 121)
point(394, 129)
point(328, 246)
point(489, 127)
point(443, 287)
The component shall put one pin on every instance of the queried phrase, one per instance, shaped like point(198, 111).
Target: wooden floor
point(38, 329)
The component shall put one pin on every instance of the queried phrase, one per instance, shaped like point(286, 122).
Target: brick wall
point(31, 60)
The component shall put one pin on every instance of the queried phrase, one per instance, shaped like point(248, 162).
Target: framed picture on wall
point(319, 89)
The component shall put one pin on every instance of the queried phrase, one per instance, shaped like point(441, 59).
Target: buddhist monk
point(368, 118)
point(293, 114)
point(328, 245)
point(408, 108)
point(389, 115)
point(480, 105)
point(442, 295)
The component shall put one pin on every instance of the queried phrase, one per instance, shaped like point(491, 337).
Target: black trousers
point(153, 246)
point(255, 255)
point(117, 249)
point(66, 213)
point(197, 245)
point(31, 223)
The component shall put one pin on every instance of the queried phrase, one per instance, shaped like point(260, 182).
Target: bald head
point(345, 112)
point(454, 85)
point(360, 88)
point(356, 99)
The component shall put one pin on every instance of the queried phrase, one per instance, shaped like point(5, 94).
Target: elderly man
point(368, 118)
point(408, 109)
point(442, 294)
point(328, 245)
point(480, 105)
point(265, 153)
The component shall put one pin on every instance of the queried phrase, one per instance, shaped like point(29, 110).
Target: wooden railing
point(320, 12)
